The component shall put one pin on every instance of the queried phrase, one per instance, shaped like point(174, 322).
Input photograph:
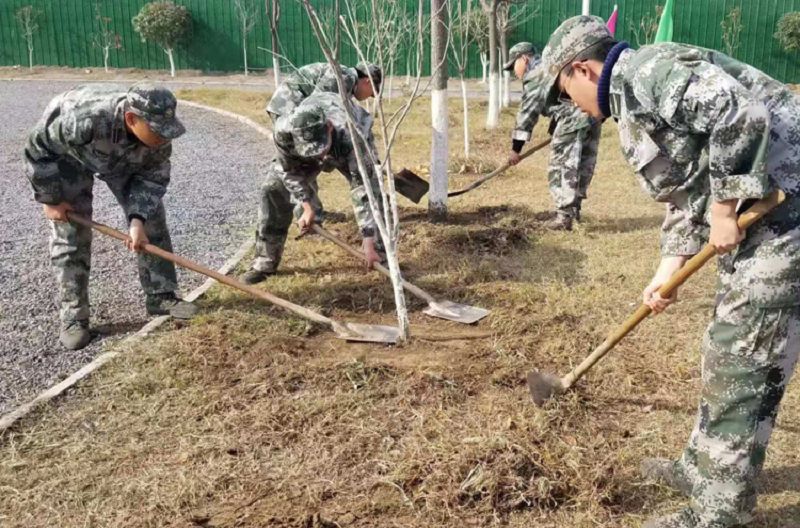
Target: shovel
point(343, 330)
point(483, 179)
point(410, 185)
point(460, 313)
point(544, 386)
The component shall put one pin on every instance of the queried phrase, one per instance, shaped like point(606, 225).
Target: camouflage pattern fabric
point(576, 138)
point(291, 178)
point(300, 84)
point(698, 127)
point(82, 135)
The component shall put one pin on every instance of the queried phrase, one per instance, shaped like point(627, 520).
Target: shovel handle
point(324, 233)
point(208, 272)
point(483, 179)
point(746, 219)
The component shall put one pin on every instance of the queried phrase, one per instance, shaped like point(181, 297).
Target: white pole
point(587, 7)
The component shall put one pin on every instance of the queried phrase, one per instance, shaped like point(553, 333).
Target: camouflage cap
point(370, 70)
point(309, 129)
point(574, 36)
point(517, 51)
point(156, 105)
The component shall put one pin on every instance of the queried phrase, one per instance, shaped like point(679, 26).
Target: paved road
point(211, 204)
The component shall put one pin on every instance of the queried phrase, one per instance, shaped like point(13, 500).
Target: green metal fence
point(67, 26)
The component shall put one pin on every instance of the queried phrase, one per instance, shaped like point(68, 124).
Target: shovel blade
point(460, 313)
point(544, 386)
point(410, 185)
point(368, 333)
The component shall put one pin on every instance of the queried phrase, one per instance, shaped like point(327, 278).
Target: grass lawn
point(247, 416)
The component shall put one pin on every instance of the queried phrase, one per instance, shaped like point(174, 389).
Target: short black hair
point(598, 52)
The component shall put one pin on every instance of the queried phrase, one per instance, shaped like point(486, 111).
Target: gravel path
point(211, 204)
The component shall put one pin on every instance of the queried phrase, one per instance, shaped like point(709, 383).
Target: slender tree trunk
point(437, 199)
point(30, 53)
point(391, 75)
point(168, 51)
point(274, 20)
point(484, 66)
point(105, 58)
point(244, 54)
point(493, 114)
point(465, 105)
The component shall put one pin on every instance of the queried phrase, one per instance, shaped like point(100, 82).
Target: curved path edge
point(9, 419)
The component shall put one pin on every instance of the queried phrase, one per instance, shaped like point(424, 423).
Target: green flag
point(664, 33)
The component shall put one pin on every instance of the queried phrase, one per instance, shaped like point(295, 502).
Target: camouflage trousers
point(70, 246)
point(573, 156)
point(749, 353)
point(276, 211)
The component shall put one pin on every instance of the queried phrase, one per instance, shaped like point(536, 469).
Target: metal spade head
point(410, 185)
point(460, 313)
point(367, 333)
point(544, 386)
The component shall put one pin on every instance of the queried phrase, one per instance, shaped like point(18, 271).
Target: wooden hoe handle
point(746, 219)
point(208, 272)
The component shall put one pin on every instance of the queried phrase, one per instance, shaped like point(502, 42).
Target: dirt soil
point(249, 417)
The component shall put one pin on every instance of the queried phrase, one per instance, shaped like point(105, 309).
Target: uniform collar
point(604, 85)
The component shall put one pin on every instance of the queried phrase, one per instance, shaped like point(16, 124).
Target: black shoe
point(255, 276)
point(75, 335)
point(170, 304)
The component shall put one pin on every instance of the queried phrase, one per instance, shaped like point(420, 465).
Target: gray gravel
point(211, 206)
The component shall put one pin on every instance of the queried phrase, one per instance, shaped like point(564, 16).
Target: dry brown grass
point(249, 417)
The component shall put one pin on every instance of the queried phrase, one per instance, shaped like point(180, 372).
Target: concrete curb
point(9, 419)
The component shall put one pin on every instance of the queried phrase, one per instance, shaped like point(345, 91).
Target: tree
point(28, 19)
point(274, 10)
point(462, 38)
point(732, 30)
point(246, 12)
point(437, 199)
point(645, 31)
point(510, 15)
point(384, 207)
point(105, 38)
point(478, 23)
point(165, 24)
point(788, 31)
point(493, 113)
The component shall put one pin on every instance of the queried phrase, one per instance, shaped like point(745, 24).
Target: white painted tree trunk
point(465, 106)
point(437, 199)
point(30, 55)
point(484, 66)
point(587, 7)
point(506, 89)
point(391, 77)
point(168, 51)
point(493, 113)
point(105, 58)
point(244, 54)
point(276, 70)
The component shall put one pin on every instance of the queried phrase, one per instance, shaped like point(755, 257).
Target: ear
point(581, 68)
point(131, 119)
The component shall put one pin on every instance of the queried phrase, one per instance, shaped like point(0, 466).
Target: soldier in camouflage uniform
point(573, 151)
point(123, 138)
point(707, 135)
point(311, 139)
point(298, 85)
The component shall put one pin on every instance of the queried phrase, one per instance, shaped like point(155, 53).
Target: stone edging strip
point(9, 419)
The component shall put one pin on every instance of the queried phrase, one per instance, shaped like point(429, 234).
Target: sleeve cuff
point(47, 199)
point(516, 145)
point(136, 215)
point(740, 186)
point(368, 232)
point(521, 135)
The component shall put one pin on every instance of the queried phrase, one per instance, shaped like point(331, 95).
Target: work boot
point(255, 276)
point(75, 334)
point(665, 472)
point(562, 222)
point(170, 304)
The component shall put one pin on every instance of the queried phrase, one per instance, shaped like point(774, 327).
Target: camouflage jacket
point(301, 83)
point(298, 172)
point(701, 127)
point(85, 128)
point(533, 105)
